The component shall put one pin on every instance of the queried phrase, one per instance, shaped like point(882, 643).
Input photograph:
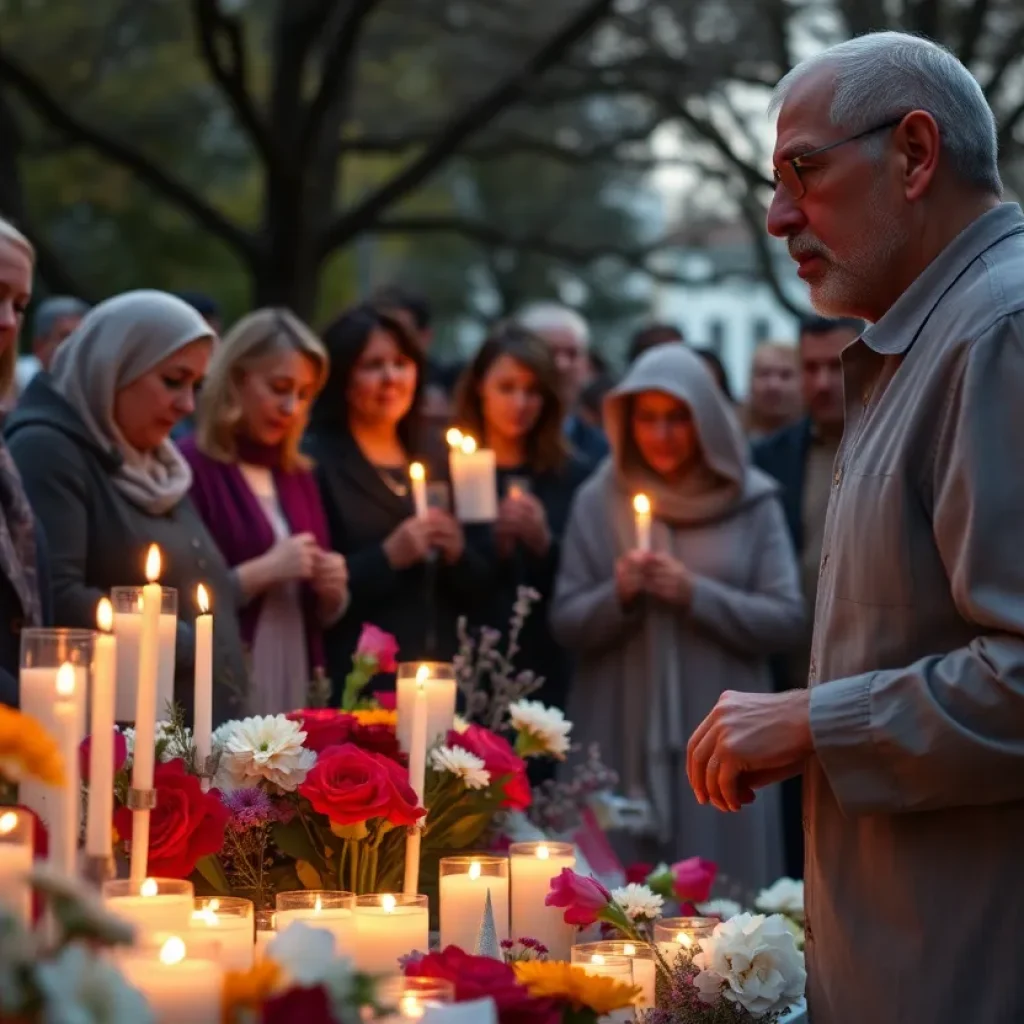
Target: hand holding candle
point(98, 838)
point(642, 514)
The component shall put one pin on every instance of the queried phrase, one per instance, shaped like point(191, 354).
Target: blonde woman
point(259, 499)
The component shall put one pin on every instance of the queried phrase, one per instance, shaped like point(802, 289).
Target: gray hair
point(542, 317)
point(55, 308)
point(884, 75)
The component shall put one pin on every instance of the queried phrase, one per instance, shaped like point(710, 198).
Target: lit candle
point(533, 866)
point(176, 986)
point(465, 882)
point(607, 965)
point(157, 905)
point(98, 839)
point(16, 827)
point(417, 776)
point(474, 480)
point(127, 603)
point(64, 821)
point(325, 909)
point(427, 999)
point(389, 927)
point(642, 510)
point(145, 710)
point(439, 684)
point(202, 731)
point(645, 967)
point(418, 477)
point(266, 931)
point(228, 921)
point(675, 935)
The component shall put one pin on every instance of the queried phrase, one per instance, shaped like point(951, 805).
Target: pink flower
point(583, 898)
point(500, 760)
point(120, 754)
point(387, 699)
point(375, 643)
point(693, 879)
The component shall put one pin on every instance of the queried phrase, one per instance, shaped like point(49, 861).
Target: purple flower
point(250, 808)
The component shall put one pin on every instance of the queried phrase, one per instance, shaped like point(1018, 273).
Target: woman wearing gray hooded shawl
point(660, 635)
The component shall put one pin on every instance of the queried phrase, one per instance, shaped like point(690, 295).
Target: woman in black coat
point(408, 575)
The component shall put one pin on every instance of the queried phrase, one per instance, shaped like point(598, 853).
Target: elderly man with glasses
point(910, 735)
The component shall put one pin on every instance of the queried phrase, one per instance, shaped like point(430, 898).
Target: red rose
point(500, 760)
point(324, 727)
point(479, 977)
point(186, 824)
point(375, 643)
point(311, 1005)
point(583, 898)
point(379, 739)
point(693, 879)
point(351, 785)
point(120, 754)
point(387, 699)
point(639, 872)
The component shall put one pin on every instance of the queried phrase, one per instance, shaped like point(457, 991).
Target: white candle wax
point(203, 731)
point(599, 968)
point(98, 837)
point(645, 974)
point(384, 934)
point(65, 818)
point(440, 710)
point(474, 482)
point(128, 630)
point(339, 921)
point(417, 777)
point(183, 990)
point(163, 912)
point(533, 866)
point(418, 478)
point(264, 936)
point(642, 517)
point(233, 934)
point(463, 898)
point(16, 863)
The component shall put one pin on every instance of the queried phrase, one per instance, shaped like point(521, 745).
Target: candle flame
point(543, 853)
point(597, 959)
point(206, 915)
point(422, 675)
point(149, 887)
point(172, 951)
point(214, 904)
point(683, 939)
point(417, 472)
point(468, 445)
point(454, 437)
point(642, 505)
point(153, 564)
point(629, 949)
point(388, 902)
point(65, 680)
point(8, 823)
point(202, 599)
point(105, 615)
point(474, 869)
point(410, 1007)
point(318, 907)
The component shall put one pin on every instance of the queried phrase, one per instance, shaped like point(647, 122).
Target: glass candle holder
point(154, 906)
point(439, 683)
point(388, 927)
point(328, 909)
point(645, 963)
point(127, 602)
point(228, 920)
point(179, 974)
point(465, 882)
point(404, 999)
point(532, 868)
point(16, 835)
point(266, 930)
point(607, 965)
point(675, 935)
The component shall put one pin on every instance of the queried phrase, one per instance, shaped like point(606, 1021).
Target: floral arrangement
point(376, 652)
point(27, 751)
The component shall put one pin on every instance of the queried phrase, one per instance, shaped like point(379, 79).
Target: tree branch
point(1004, 60)
point(463, 126)
point(146, 170)
point(972, 24)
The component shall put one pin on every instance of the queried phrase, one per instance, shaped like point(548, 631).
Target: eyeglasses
point(788, 174)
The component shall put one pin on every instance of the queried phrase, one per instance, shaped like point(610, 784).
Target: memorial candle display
point(645, 963)
point(227, 921)
point(464, 884)
point(67, 732)
point(156, 905)
point(418, 478)
point(328, 909)
point(607, 965)
point(417, 776)
point(674, 934)
point(438, 681)
point(388, 927)
point(98, 837)
point(127, 602)
point(178, 987)
point(474, 476)
point(642, 516)
point(16, 828)
point(202, 733)
point(533, 866)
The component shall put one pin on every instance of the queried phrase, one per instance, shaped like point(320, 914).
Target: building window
point(762, 330)
point(716, 336)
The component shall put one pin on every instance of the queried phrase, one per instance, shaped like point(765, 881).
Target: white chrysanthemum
point(725, 909)
point(462, 763)
point(267, 748)
point(548, 727)
point(639, 902)
point(751, 960)
point(786, 896)
point(220, 735)
point(163, 733)
point(77, 985)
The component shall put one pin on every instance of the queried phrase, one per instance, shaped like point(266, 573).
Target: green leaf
point(356, 831)
point(293, 841)
point(459, 833)
point(212, 870)
point(308, 875)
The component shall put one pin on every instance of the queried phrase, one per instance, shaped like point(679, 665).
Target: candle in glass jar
point(157, 905)
point(474, 476)
point(228, 921)
point(326, 909)
point(675, 935)
point(16, 830)
point(642, 515)
point(127, 603)
point(608, 965)
point(533, 867)
point(177, 987)
point(203, 732)
point(98, 832)
point(645, 964)
point(465, 882)
point(266, 932)
point(64, 821)
point(389, 927)
point(438, 682)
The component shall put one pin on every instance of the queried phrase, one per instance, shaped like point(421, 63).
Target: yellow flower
point(556, 979)
point(27, 750)
point(377, 716)
point(248, 990)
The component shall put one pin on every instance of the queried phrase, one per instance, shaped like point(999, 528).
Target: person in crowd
point(259, 499)
point(774, 399)
point(597, 368)
point(509, 397)
point(24, 567)
point(411, 309)
point(651, 336)
point(591, 404)
point(567, 335)
point(800, 457)
point(54, 319)
point(909, 735)
point(91, 440)
point(713, 362)
point(409, 574)
point(660, 634)
point(207, 307)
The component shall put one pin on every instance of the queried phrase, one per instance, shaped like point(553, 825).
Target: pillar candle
point(98, 838)
point(440, 691)
point(177, 987)
point(533, 866)
point(145, 710)
point(16, 830)
point(465, 882)
point(418, 477)
point(642, 955)
point(266, 931)
point(128, 630)
point(228, 921)
point(417, 776)
point(474, 482)
point(158, 905)
point(642, 514)
point(65, 818)
point(202, 732)
point(330, 911)
point(620, 968)
point(389, 927)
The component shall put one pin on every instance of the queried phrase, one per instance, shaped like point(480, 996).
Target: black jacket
point(783, 455)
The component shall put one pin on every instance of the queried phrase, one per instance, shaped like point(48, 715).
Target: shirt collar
point(898, 329)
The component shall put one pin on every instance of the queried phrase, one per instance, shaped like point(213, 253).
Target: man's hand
point(749, 740)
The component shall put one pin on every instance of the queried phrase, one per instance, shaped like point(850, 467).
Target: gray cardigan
point(97, 539)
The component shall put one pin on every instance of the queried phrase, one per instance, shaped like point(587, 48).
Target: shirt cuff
point(843, 737)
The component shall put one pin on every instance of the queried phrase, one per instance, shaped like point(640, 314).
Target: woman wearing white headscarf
point(660, 635)
point(91, 440)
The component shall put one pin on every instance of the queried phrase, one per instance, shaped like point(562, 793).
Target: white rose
point(753, 961)
point(785, 896)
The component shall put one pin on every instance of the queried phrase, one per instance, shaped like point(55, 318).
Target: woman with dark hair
point(509, 397)
point(408, 574)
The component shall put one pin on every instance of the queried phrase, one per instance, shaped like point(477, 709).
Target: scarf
point(18, 540)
